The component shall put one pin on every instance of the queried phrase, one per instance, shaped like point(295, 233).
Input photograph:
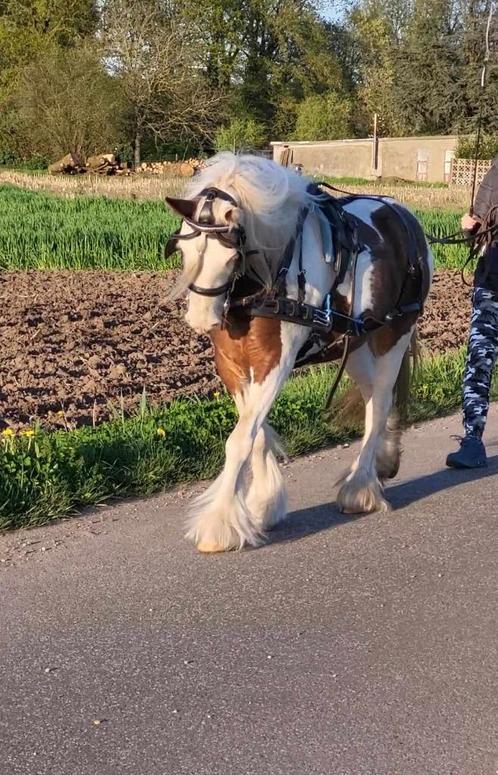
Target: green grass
point(47, 475)
point(43, 231)
point(376, 182)
point(441, 223)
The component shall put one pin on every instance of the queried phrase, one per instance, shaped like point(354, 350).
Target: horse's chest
point(246, 350)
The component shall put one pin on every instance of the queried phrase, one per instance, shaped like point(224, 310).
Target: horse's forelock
point(269, 195)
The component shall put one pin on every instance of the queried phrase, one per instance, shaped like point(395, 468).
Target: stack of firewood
point(100, 164)
point(68, 165)
point(106, 164)
point(184, 169)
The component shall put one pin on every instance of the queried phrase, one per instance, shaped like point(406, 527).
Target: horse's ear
point(184, 207)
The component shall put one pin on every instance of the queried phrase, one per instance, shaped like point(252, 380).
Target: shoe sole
point(462, 466)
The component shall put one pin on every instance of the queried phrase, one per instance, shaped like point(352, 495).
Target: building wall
point(347, 158)
point(411, 158)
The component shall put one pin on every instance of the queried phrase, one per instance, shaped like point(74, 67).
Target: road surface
point(344, 646)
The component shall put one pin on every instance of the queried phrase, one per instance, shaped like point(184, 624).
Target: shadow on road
point(327, 516)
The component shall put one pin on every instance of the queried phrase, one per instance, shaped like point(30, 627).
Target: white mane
point(269, 195)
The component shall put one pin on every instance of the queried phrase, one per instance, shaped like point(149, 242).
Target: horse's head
point(211, 240)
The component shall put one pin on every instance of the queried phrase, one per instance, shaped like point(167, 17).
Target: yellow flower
point(60, 413)
point(216, 394)
point(29, 432)
point(8, 432)
point(161, 432)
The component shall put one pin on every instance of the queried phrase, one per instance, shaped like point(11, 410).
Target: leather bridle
point(205, 224)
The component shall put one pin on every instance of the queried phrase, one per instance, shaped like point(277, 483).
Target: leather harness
point(346, 247)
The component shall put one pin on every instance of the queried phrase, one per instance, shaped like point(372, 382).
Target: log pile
point(107, 164)
point(183, 169)
point(100, 164)
point(68, 165)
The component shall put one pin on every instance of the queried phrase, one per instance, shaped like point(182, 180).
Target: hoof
point(209, 547)
point(361, 494)
point(384, 473)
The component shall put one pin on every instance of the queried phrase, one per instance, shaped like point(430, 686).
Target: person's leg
point(481, 356)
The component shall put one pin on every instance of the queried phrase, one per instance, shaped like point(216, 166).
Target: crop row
point(43, 231)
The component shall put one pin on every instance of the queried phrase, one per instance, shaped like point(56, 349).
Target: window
point(448, 158)
point(422, 164)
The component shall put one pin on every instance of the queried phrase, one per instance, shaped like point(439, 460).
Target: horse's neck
point(319, 273)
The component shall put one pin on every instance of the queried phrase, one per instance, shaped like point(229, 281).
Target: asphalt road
point(345, 646)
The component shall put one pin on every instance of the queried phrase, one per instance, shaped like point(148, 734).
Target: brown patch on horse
point(384, 339)
point(247, 348)
point(391, 258)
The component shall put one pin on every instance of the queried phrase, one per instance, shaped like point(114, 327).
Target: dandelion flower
point(161, 432)
point(8, 432)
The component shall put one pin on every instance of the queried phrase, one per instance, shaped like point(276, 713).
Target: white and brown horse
point(252, 223)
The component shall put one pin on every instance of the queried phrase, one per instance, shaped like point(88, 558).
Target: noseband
point(206, 225)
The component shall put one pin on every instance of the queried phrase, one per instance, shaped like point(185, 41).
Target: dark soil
point(76, 346)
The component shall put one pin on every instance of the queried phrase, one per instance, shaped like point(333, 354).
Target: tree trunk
point(137, 149)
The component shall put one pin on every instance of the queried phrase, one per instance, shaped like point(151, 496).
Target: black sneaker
point(472, 454)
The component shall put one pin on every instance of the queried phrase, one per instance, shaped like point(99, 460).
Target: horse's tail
point(350, 406)
point(402, 386)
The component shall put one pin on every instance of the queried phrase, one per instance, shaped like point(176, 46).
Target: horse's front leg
point(247, 497)
point(266, 496)
point(220, 518)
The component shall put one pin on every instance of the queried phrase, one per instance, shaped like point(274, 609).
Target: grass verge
point(47, 475)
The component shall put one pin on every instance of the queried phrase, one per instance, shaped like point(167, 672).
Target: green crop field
point(45, 231)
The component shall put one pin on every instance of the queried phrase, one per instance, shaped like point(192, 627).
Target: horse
point(275, 267)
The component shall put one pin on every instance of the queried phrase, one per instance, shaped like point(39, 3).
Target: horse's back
point(394, 237)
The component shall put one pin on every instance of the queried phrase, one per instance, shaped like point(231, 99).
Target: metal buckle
point(321, 318)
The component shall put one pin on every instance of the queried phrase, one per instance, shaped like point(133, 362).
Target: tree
point(154, 57)
point(30, 29)
point(473, 18)
point(376, 30)
point(267, 54)
point(67, 102)
point(324, 117)
point(428, 74)
point(240, 134)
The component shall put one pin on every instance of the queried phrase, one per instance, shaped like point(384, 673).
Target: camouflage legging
point(481, 356)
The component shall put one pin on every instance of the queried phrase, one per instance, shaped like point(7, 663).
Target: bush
point(240, 134)
point(324, 117)
point(488, 147)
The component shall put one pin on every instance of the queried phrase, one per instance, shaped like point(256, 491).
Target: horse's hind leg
point(266, 496)
point(361, 490)
point(388, 455)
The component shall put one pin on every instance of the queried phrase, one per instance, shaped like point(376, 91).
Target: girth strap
point(321, 322)
point(324, 322)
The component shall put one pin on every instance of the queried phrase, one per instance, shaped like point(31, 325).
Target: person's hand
point(468, 222)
